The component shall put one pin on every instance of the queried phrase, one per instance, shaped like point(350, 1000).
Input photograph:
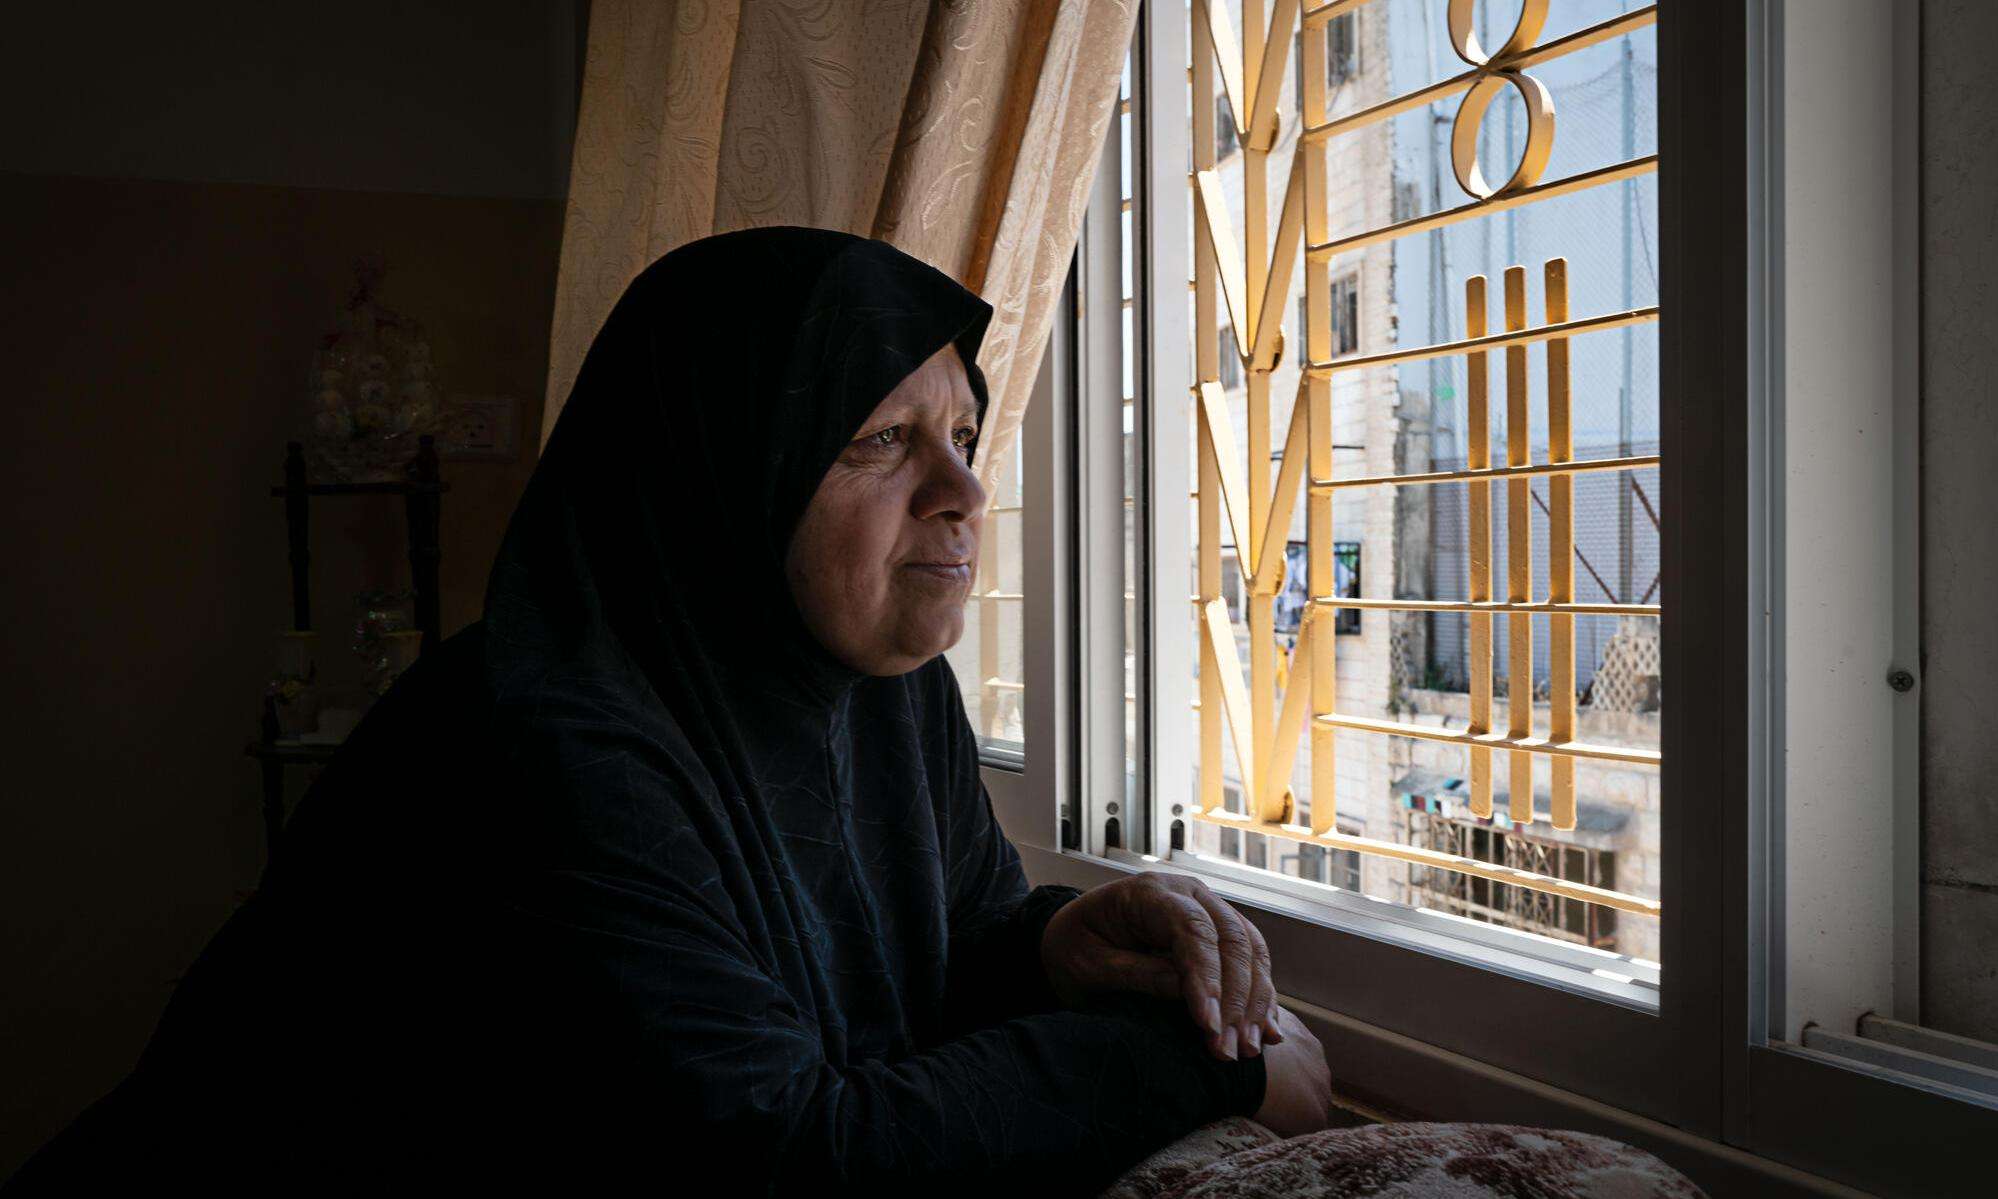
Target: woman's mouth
point(949, 572)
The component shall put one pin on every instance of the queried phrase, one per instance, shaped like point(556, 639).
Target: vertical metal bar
point(1478, 436)
point(1206, 367)
point(1560, 551)
point(1099, 465)
point(1162, 207)
point(1256, 270)
point(1317, 338)
point(988, 632)
point(1518, 553)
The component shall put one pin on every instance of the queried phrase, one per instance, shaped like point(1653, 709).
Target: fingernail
point(1252, 1037)
point(1228, 1043)
point(1210, 1016)
point(1271, 1033)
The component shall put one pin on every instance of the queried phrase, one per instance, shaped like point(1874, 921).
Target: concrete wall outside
point(1959, 756)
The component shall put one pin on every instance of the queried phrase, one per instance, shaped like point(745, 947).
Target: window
point(988, 658)
point(1562, 908)
point(1345, 315)
point(1334, 467)
point(1346, 585)
point(1342, 48)
point(1342, 58)
point(1509, 638)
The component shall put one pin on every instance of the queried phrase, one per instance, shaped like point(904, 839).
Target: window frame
point(1435, 1021)
point(1518, 1012)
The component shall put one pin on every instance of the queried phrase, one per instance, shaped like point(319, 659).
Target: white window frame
point(1454, 1019)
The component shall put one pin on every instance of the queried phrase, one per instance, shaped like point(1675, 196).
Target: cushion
point(1239, 1159)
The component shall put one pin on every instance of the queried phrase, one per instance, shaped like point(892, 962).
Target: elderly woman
point(678, 860)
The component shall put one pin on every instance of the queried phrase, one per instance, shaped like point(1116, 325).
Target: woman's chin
point(926, 634)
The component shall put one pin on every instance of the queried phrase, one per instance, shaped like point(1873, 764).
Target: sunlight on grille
point(1242, 280)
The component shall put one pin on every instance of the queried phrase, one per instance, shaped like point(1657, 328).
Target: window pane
point(1589, 538)
point(987, 659)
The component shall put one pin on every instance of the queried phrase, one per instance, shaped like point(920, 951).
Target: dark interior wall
point(181, 203)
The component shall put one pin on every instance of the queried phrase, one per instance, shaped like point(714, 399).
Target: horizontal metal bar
point(999, 684)
point(1581, 39)
point(998, 595)
point(1930, 1041)
point(1322, 486)
point(1614, 173)
point(1435, 859)
point(1330, 9)
point(1535, 607)
point(1491, 341)
point(1947, 1071)
point(1531, 745)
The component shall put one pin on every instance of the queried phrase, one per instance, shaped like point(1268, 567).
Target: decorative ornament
point(373, 389)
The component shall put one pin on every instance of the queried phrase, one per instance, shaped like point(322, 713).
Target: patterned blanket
point(1240, 1159)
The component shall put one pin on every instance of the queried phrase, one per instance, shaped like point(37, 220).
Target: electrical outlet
point(480, 428)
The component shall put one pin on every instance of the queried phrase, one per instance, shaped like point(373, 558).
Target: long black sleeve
point(1059, 1101)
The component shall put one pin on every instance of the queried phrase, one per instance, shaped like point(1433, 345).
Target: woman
point(679, 858)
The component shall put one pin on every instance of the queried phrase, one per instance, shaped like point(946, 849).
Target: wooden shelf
point(411, 488)
point(307, 752)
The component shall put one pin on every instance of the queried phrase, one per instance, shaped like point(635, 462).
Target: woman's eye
point(963, 437)
point(888, 436)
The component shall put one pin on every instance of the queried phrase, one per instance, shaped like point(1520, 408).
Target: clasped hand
point(1170, 936)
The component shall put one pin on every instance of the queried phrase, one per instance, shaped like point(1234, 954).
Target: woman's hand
point(1168, 935)
point(1297, 1087)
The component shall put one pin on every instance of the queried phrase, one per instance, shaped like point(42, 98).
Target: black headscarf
point(633, 875)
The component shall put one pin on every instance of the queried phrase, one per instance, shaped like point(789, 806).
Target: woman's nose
point(950, 489)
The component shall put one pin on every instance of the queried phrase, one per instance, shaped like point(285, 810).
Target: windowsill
point(1597, 974)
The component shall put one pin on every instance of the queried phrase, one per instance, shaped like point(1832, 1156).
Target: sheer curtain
point(964, 132)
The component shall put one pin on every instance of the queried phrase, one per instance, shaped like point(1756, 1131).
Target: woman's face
point(882, 559)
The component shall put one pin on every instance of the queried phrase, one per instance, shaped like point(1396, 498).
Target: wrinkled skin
point(882, 560)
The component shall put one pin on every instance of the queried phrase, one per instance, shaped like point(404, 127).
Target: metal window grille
point(1246, 273)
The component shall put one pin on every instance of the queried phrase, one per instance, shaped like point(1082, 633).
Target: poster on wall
point(1289, 605)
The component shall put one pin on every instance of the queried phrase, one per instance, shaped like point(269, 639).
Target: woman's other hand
point(1297, 1091)
point(1170, 936)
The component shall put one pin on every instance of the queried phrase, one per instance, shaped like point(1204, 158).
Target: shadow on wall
point(158, 336)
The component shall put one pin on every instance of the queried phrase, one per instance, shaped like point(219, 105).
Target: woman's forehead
point(940, 385)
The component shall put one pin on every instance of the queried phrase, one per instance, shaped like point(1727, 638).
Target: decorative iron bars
point(1250, 276)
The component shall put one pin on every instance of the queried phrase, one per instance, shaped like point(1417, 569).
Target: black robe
point(632, 878)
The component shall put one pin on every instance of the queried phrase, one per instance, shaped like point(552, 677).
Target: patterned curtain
point(964, 132)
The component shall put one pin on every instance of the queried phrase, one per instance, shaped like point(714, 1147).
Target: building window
point(1345, 317)
point(1231, 360)
point(1346, 584)
point(1338, 867)
point(1342, 57)
point(1342, 49)
point(1225, 142)
point(1231, 583)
